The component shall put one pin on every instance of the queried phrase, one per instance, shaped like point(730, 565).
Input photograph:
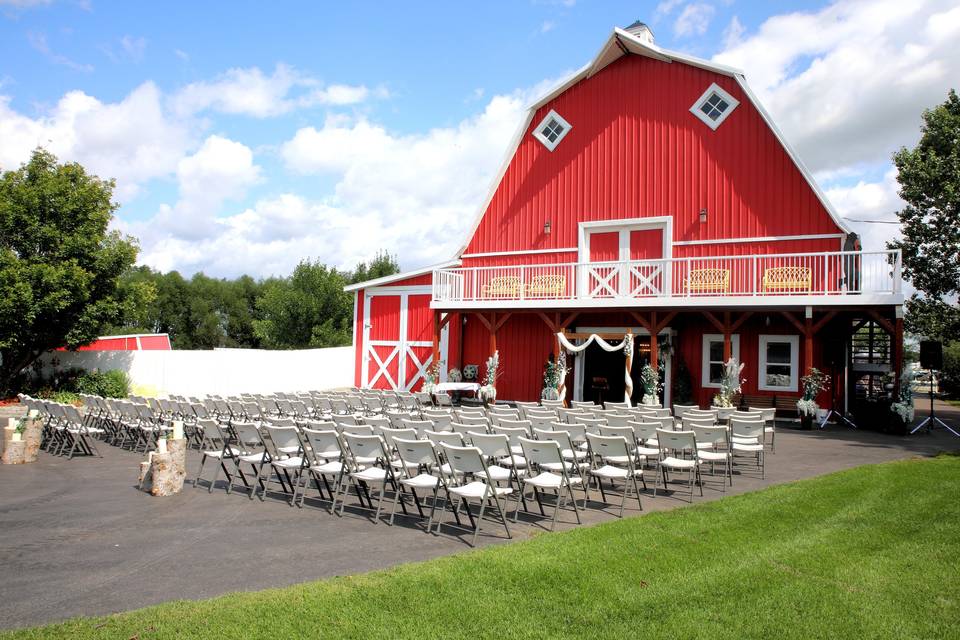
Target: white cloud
point(414, 195)
point(39, 43)
point(877, 202)
point(251, 92)
point(694, 19)
point(132, 140)
point(183, 55)
point(547, 26)
point(665, 8)
point(847, 84)
point(134, 47)
point(733, 33)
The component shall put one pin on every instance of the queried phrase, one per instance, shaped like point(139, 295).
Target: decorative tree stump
point(14, 451)
point(163, 474)
point(31, 436)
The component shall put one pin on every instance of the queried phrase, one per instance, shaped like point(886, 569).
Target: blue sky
point(245, 136)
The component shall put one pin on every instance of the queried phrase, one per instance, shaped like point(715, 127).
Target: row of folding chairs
point(466, 462)
point(65, 431)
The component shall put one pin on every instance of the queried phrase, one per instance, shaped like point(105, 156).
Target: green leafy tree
point(929, 177)
point(310, 309)
point(60, 264)
point(383, 264)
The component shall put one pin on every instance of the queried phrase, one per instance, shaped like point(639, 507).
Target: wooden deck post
point(898, 351)
point(493, 333)
point(808, 337)
point(727, 337)
point(436, 338)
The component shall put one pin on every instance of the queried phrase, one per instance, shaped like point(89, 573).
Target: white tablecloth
point(443, 387)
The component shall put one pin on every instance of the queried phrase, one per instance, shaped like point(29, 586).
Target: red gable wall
point(635, 150)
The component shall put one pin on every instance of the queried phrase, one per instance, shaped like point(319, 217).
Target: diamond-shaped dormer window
point(552, 130)
point(714, 106)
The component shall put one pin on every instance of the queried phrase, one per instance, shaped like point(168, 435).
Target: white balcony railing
point(797, 274)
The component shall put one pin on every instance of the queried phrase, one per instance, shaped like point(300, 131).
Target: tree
point(59, 263)
point(929, 177)
point(310, 309)
point(383, 264)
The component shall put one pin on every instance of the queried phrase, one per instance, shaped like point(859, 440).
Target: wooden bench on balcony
point(707, 281)
point(787, 279)
point(501, 287)
point(546, 286)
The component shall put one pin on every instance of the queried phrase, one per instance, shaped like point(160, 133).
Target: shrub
point(109, 384)
point(66, 397)
point(950, 376)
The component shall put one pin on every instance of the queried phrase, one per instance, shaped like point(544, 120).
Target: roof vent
point(641, 31)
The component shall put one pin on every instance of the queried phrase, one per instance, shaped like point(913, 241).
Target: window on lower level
point(712, 367)
point(779, 363)
point(552, 130)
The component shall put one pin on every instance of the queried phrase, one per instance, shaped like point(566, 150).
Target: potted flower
point(650, 380)
point(730, 384)
point(813, 383)
point(903, 408)
point(488, 391)
point(431, 378)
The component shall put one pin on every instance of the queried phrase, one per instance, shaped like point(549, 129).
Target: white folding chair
point(611, 460)
point(673, 446)
point(544, 455)
point(466, 463)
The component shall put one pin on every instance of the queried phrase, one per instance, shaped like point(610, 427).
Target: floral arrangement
point(813, 383)
point(903, 407)
point(807, 408)
point(488, 391)
point(730, 383)
point(432, 377)
point(628, 346)
point(454, 375)
point(553, 374)
point(650, 379)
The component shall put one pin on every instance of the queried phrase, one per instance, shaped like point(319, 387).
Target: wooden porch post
point(654, 346)
point(493, 332)
point(727, 337)
point(808, 338)
point(898, 351)
point(436, 337)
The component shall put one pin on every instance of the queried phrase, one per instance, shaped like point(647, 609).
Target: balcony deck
point(771, 280)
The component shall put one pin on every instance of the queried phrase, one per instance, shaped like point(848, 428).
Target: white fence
point(220, 371)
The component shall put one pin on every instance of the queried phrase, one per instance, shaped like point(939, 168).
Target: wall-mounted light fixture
point(546, 228)
point(703, 216)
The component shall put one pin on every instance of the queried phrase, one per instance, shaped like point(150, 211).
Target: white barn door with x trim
point(398, 338)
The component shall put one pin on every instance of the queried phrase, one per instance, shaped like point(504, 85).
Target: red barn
point(650, 193)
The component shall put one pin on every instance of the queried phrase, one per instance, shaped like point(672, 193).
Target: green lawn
point(871, 552)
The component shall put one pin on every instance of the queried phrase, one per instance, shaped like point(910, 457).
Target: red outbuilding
point(651, 195)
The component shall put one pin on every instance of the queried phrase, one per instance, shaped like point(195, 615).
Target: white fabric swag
point(603, 344)
point(606, 346)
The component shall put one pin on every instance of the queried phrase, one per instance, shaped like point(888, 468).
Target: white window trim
point(705, 362)
point(563, 134)
point(794, 342)
point(714, 88)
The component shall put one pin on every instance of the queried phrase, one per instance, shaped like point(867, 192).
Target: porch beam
point(642, 321)
point(664, 322)
point(501, 321)
point(821, 323)
point(880, 320)
point(486, 322)
point(793, 320)
point(739, 322)
point(553, 326)
point(713, 320)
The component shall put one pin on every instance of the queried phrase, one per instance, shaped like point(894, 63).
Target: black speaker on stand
point(931, 359)
point(834, 355)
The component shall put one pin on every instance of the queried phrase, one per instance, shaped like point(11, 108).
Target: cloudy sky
point(246, 136)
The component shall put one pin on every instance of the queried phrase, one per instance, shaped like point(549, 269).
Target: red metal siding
point(155, 343)
point(524, 343)
point(635, 150)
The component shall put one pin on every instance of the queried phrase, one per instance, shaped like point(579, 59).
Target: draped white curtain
point(603, 344)
point(606, 346)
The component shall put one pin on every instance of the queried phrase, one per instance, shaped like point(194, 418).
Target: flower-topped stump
point(650, 380)
point(813, 383)
point(903, 407)
point(432, 377)
point(488, 391)
point(730, 384)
